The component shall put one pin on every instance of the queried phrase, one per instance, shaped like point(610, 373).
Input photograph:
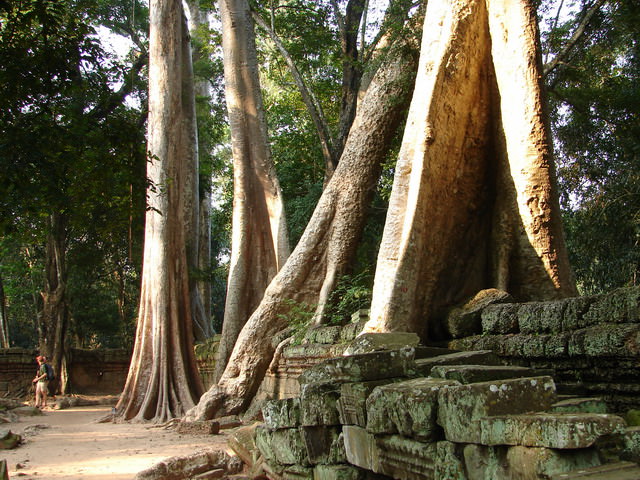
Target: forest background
point(73, 151)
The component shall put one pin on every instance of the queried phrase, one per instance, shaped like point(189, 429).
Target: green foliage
point(595, 112)
point(352, 293)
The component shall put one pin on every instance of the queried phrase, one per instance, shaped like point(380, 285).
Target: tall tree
point(163, 381)
point(474, 202)
point(260, 243)
point(329, 242)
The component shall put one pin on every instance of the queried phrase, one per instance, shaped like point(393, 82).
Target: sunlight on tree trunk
point(163, 381)
point(329, 242)
point(259, 243)
point(473, 203)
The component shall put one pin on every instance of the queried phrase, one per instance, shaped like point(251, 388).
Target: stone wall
point(591, 343)
point(90, 371)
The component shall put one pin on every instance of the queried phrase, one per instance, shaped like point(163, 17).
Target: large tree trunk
point(53, 320)
point(473, 202)
point(328, 244)
point(201, 293)
point(163, 381)
point(259, 244)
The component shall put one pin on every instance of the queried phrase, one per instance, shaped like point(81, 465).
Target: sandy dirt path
point(73, 446)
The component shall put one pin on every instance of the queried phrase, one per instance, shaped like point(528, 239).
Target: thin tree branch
point(577, 35)
point(314, 108)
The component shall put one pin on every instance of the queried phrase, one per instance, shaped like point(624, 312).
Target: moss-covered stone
point(606, 340)
point(283, 413)
point(620, 306)
point(408, 408)
point(324, 335)
point(318, 404)
point(466, 320)
point(580, 405)
point(550, 430)
point(352, 405)
point(424, 366)
point(466, 374)
point(338, 472)
point(524, 463)
point(461, 408)
point(375, 342)
point(284, 447)
point(361, 368)
point(449, 461)
point(325, 445)
point(404, 459)
point(541, 317)
point(500, 319)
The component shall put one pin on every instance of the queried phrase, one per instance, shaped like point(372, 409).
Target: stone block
point(607, 340)
point(360, 447)
point(352, 330)
point(430, 352)
point(284, 447)
point(466, 320)
point(325, 445)
point(318, 404)
point(283, 413)
point(325, 334)
point(611, 471)
point(631, 449)
point(352, 404)
point(337, 472)
point(361, 368)
point(242, 442)
point(619, 306)
point(540, 317)
point(550, 430)
point(575, 309)
point(500, 319)
point(449, 461)
point(297, 472)
point(375, 342)
point(523, 463)
point(405, 459)
point(580, 405)
point(460, 408)
point(423, 366)
point(409, 408)
point(205, 427)
point(481, 373)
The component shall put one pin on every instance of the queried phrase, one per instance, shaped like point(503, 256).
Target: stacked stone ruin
point(406, 411)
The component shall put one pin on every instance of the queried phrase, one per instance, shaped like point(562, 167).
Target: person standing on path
point(41, 382)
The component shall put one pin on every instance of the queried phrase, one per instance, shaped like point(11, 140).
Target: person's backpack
point(50, 374)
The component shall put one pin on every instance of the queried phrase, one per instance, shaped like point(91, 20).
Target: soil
point(69, 444)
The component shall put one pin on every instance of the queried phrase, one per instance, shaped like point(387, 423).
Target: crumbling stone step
point(611, 471)
point(466, 374)
point(461, 408)
point(550, 430)
point(474, 357)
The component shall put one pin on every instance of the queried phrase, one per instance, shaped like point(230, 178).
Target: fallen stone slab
point(190, 466)
point(361, 368)
point(611, 471)
point(205, 427)
point(242, 442)
point(337, 472)
point(551, 430)
point(476, 357)
point(500, 319)
point(481, 373)
point(409, 408)
point(229, 421)
point(423, 351)
point(449, 461)
point(460, 408)
point(631, 450)
point(520, 463)
point(27, 411)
